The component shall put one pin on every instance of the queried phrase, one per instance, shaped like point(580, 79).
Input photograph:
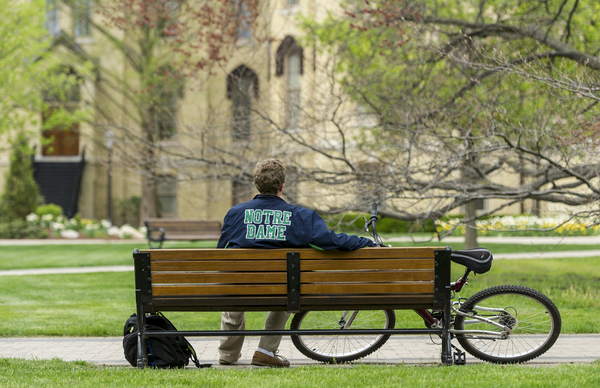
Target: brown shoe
point(261, 359)
point(223, 362)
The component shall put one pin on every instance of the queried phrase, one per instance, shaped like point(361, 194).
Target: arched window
point(60, 139)
point(82, 16)
point(289, 61)
point(53, 17)
point(242, 88)
point(166, 190)
point(245, 19)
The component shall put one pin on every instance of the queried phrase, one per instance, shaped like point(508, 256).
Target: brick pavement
point(408, 349)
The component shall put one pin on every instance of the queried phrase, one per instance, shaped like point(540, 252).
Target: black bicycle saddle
point(478, 260)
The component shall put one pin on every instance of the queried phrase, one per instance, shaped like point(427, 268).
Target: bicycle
point(502, 324)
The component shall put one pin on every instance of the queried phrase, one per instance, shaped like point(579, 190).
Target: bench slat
point(218, 289)
point(191, 237)
point(176, 229)
point(312, 265)
point(220, 303)
point(221, 277)
point(240, 265)
point(281, 254)
point(307, 289)
point(370, 253)
point(368, 288)
point(365, 276)
point(317, 302)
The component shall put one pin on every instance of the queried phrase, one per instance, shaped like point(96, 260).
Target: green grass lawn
point(56, 373)
point(52, 256)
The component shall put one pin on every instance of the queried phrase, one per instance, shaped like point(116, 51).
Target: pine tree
point(21, 192)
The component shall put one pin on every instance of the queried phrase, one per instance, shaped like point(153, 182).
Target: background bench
point(293, 280)
point(161, 229)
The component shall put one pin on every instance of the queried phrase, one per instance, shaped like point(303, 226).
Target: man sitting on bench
point(267, 221)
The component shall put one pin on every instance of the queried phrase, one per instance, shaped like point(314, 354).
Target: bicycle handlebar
point(374, 212)
point(373, 222)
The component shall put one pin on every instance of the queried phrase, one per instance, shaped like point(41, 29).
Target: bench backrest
point(186, 229)
point(291, 279)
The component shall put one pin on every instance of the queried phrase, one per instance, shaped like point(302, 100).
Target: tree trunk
point(471, 227)
point(149, 205)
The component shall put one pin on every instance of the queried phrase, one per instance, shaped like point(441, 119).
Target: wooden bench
point(161, 229)
point(292, 280)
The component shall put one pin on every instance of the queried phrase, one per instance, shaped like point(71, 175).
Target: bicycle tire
point(532, 316)
point(340, 348)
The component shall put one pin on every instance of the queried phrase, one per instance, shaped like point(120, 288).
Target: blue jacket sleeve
point(323, 238)
point(225, 232)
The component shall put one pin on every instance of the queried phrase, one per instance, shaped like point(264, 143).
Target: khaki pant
point(230, 349)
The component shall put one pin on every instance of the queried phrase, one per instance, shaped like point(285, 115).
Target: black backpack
point(163, 352)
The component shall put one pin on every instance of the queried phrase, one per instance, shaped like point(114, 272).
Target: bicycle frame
point(457, 286)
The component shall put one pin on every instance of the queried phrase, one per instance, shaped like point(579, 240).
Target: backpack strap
point(194, 357)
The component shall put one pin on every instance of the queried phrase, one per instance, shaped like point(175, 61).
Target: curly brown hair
point(269, 175)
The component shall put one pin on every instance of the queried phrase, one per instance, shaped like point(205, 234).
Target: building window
point(82, 16)
point(242, 190)
point(170, 26)
point(293, 3)
point(289, 61)
point(166, 190)
point(293, 89)
point(290, 190)
point(245, 19)
point(52, 17)
point(242, 88)
point(168, 90)
point(480, 205)
point(61, 139)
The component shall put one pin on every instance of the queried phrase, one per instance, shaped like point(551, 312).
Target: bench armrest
point(161, 232)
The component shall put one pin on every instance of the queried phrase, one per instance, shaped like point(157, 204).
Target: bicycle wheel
point(341, 348)
point(533, 318)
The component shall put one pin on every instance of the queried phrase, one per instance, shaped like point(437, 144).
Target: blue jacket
point(267, 221)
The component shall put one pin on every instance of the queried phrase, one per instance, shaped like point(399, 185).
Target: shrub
point(21, 193)
point(50, 208)
point(128, 211)
point(21, 229)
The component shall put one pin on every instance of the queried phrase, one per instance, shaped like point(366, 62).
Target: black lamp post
point(109, 141)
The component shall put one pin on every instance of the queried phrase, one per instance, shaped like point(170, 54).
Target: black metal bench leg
point(447, 349)
point(447, 358)
point(141, 352)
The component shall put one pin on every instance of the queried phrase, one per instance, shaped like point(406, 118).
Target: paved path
point(79, 241)
point(408, 349)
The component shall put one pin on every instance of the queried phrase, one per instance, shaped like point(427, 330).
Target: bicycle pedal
point(460, 358)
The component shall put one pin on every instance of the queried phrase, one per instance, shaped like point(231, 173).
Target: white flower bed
point(524, 225)
point(74, 227)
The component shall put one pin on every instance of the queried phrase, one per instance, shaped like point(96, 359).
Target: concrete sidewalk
point(408, 349)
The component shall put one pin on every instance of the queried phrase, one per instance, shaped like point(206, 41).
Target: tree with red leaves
point(150, 51)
